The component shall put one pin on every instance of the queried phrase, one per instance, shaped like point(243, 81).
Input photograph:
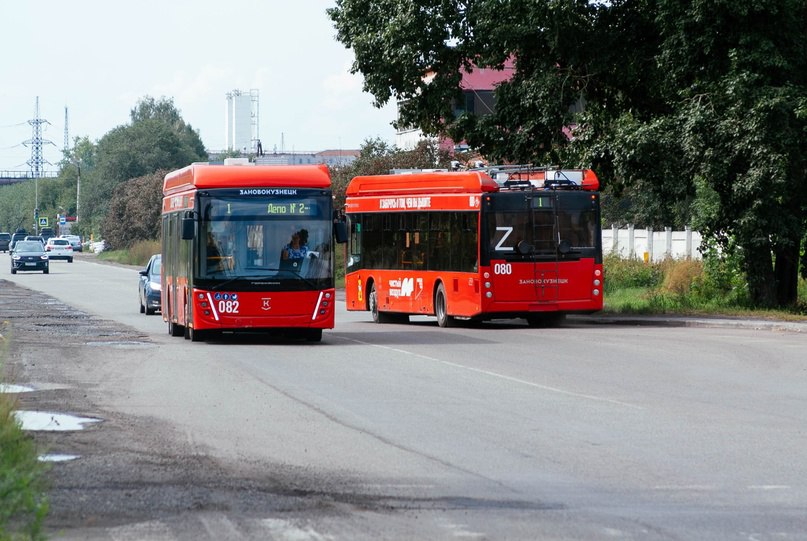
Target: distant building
point(241, 121)
point(478, 89)
point(331, 158)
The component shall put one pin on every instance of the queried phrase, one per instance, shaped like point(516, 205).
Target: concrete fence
point(651, 245)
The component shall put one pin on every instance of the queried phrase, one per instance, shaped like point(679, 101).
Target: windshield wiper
point(308, 281)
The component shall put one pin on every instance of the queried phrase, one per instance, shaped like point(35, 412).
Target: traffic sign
point(43, 221)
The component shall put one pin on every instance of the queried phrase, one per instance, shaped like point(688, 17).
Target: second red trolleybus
point(247, 247)
point(475, 245)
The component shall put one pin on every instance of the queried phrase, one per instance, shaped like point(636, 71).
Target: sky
point(97, 58)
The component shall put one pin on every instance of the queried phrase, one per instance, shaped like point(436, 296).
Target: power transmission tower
point(66, 132)
point(36, 142)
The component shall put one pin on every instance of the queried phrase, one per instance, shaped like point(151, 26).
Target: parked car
point(75, 242)
point(5, 241)
point(29, 255)
point(149, 288)
point(59, 249)
point(18, 235)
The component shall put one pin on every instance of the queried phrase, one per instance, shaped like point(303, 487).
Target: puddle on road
point(9, 388)
point(123, 344)
point(42, 421)
point(57, 458)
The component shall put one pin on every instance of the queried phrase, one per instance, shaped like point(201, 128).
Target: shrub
point(623, 273)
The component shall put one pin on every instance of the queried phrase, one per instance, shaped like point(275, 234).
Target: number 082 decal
point(228, 307)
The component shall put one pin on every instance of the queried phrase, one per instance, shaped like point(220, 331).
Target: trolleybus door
point(542, 249)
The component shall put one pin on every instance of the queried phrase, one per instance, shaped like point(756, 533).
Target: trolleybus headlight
point(324, 303)
point(596, 282)
point(204, 304)
point(598, 272)
point(596, 292)
point(487, 275)
point(322, 312)
point(327, 295)
point(489, 294)
point(487, 285)
point(201, 295)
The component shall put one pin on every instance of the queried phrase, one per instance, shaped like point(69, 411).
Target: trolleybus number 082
point(228, 307)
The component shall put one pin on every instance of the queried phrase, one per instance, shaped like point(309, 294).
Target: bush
point(623, 273)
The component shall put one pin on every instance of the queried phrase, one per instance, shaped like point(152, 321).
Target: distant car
point(18, 235)
point(35, 237)
point(59, 249)
point(149, 288)
point(5, 241)
point(46, 233)
point(29, 255)
point(75, 242)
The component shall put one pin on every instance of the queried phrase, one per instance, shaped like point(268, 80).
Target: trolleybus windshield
point(542, 224)
point(271, 241)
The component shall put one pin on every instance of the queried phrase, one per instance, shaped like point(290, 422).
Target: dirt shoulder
point(129, 469)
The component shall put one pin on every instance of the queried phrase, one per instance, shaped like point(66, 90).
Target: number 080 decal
point(502, 268)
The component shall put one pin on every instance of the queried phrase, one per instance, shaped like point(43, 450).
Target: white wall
point(651, 245)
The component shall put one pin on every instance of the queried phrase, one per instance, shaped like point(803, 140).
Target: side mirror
point(188, 228)
point(340, 232)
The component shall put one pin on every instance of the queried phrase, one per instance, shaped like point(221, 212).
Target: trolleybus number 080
point(502, 268)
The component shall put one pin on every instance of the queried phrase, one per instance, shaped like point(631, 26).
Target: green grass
point(685, 287)
point(23, 499)
point(138, 254)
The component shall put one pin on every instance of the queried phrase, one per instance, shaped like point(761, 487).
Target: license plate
point(30, 264)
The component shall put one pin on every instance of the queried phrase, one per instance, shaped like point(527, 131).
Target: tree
point(157, 138)
point(377, 157)
point(669, 100)
point(134, 211)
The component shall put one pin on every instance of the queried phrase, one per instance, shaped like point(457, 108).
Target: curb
point(684, 321)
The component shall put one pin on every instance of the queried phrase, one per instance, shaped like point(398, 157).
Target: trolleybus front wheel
point(174, 329)
point(383, 317)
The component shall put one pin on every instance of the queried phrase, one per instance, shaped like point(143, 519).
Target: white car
point(57, 248)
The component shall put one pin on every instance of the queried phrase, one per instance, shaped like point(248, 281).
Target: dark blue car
point(29, 255)
point(149, 289)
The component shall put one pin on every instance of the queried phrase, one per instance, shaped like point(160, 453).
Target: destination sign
point(274, 207)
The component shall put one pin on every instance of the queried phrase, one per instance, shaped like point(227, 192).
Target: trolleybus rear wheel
point(441, 308)
point(372, 299)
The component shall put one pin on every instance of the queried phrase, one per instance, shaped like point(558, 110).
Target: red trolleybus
point(248, 247)
point(475, 245)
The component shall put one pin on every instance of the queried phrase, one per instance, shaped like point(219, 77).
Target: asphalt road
point(608, 431)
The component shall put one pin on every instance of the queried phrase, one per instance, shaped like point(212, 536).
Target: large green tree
point(156, 138)
point(674, 102)
point(377, 157)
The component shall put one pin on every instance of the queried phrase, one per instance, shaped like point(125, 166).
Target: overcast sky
point(98, 57)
